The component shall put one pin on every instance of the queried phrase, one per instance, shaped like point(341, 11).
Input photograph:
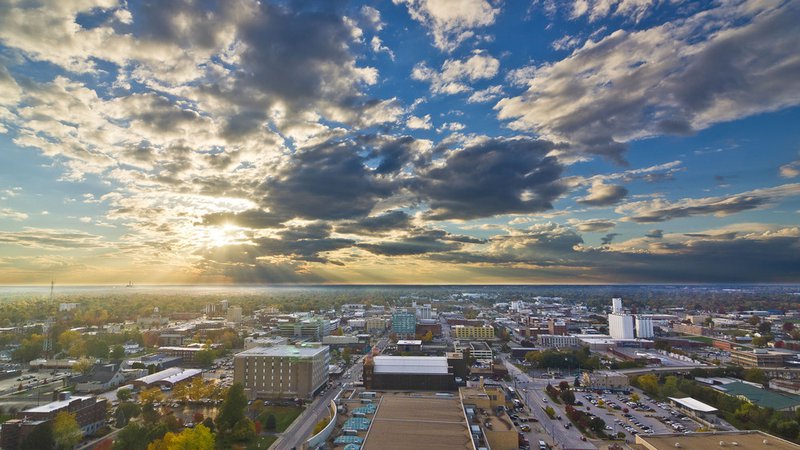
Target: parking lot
point(646, 416)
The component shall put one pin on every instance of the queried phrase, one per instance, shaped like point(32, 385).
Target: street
point(532, 391)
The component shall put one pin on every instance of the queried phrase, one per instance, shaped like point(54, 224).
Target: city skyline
point(403, 141)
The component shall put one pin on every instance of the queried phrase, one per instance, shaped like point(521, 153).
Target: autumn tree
point(197, 438)
point(66, 431)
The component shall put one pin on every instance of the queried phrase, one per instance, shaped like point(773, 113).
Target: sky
point(399, 141)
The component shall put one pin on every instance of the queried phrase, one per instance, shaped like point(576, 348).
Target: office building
point(314, 328)
point(90, 412)
point(467, 332)
point(759, 357)
point(424, 312)
point(404, 324)
point(556, 327)
point(234, 314)
point(556, 341)
point(282, 371)
point(375, 324)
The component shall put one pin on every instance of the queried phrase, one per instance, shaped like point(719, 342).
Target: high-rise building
point(313, 328)
point(616, 305)
point(282, 370)
point(644, 327)
point(235, 314)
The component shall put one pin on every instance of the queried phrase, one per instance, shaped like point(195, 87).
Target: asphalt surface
point(300, 430)
point(532, 392)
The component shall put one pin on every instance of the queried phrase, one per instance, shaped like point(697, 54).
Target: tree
point(788, 429)
point(117, 353)
point(72, 343)
point(205, 357)
point(754, 320)
point(66, 431)
point(150, 396)
point(427, 337)
point(41, 437)
point(83, 365)
point(123, 394)
point(568, 397)
point(649, 383)
point(764, 327)
point(787, 326)
point(597, 425)
point(755, 375)
point(197, 438)
point(125, 412)
point(232, 409)
point(346, 355)
point(563, 386)
point(271, 423)
point(635, 397)
point(30, 348)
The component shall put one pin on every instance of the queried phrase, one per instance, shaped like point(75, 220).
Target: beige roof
point(725, 440)
point(405, 422)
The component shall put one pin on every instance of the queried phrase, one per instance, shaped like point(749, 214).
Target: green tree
point(755, 375)
point(123, 394)
point(125, 412)
point(232, 409)
point(597, 425)
point(41, 437)
point(205, 357)
point(346, 355)
point(568, 397)
point(72, 343)
point(635, 397)
point(30, 348)
point(271, 423)
point(117, 353)
point(66, 431)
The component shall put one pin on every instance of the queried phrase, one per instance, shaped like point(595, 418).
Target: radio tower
point(47, 344)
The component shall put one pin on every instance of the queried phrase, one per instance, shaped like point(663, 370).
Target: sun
point(222, 236)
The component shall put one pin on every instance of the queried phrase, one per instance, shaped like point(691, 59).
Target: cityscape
point(399, 224)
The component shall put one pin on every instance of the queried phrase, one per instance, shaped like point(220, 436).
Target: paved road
point(532, 391)
point(300, 430)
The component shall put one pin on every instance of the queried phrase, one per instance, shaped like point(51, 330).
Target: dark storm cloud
point(252, 218)
point(328, 181)
point(425, 241)
point(491, 178)
point(392, 154)
point(384, 223)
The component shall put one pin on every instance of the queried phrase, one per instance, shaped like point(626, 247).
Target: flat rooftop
point(406, 421)
point(284, 350)
point(54, 406)
point(704, 441)
point(429, 365)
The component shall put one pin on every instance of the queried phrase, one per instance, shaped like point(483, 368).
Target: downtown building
point(287, 371)
point(90, 413)
point(467, 332)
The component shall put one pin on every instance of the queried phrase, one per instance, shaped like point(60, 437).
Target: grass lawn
point(263, 442)
point(284, 416)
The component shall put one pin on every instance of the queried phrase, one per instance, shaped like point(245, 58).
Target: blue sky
point(402, 141)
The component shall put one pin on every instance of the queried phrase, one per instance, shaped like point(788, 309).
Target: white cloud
point(7, 213)
point(378, 47)
point(456, 75)
point(451, 21)
point(790, 170)
point(486, 95)
point(419, 123)
point(598, 9)
point(715, 66)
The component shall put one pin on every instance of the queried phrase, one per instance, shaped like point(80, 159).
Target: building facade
point(556, 341)
point(759, 358)
point(282, 371)
point(620, 326)
point(484, 332)
point(404, 324)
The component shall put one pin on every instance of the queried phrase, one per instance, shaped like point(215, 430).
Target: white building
point(644, 327)
point(424, 312)
point(556, 341)
point(620, 325)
